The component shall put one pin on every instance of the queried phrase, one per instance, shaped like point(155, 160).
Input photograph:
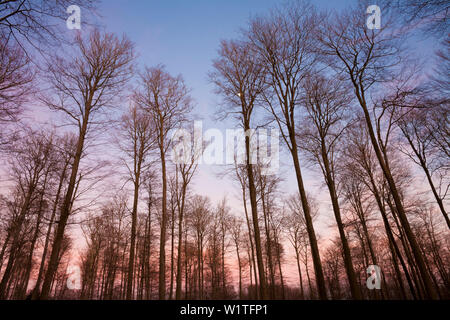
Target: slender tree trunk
point(185, 266)
point(130, 273)
point(252, 260)
point(180, 243)
point(302, 293)
point(430, 290)
point(320, 280)
point(224, 287)
point(311, 291)
point(280, 270)
point(15, 243)
point(5, 244)
point(254, 207)
point(436, 195)
point(65, 212)
point(268, 244)
point(240, 269)
point(162, 243)
point(406, 248)
point(37, 287)
point(29, 263)
point(172, 249)
point(354, 288)
point(424, 167)
point(396, 252)
point(149, 244)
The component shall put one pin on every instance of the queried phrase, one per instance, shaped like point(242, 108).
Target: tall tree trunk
point(280, 269)
point(318, 270)
point(4, 246)
point(65, 211)
point(240, 269)
point(254, 207)
point(430, 290)
point(302, 293)
point(396, 253)
point(224, 286)
point(180, 243)
point(172, 250)
point(162, 242)
point(137, 174)
point(268, 244)
point(15, 243)
point(29, 263)
point(252, 260)
point(436, 195)
point(311, 290)
point(354, 288)
point(37, 287)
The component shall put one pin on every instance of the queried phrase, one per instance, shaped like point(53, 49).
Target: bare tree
point(415, 128)
point(16, 76)
point(429, 15)
point(199, 220)
point(187, 171)
point(236, 233)
point(326, 102)
point(358, 161)
point(295, 231)
point(239, 79)
point(284, 43)
point(33, 24)
point(267, 190)
point(65, 151)
point(295, 68)
point(83, 87)
point(367, 58)
point(138, 140)
point(31, 164)
point(299, 232)
point(166, 99)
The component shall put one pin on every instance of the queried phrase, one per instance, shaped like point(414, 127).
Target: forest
point(93, 205)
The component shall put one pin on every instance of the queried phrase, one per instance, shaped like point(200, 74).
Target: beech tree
point(298, 234)
point(326, 102)
point(166, 100)
point(138, 140)
point(31, 168)
point(367, 58)
point(82, 88)
point(283, 43)
point(415, 128)
point(240, 80)
point(236, 233)
point(186, 169)
point(362, 123)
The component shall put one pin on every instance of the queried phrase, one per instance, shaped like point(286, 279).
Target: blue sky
point(185, 35)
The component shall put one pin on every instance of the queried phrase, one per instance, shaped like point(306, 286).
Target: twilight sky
point(184, 36)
